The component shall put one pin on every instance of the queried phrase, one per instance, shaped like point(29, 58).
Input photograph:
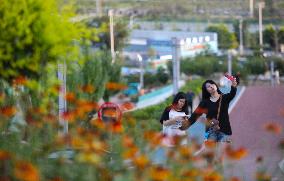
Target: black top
point(211, 109)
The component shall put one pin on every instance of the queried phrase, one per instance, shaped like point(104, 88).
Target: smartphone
point(230, 77)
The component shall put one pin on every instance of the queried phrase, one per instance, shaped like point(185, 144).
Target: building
point(158, 45)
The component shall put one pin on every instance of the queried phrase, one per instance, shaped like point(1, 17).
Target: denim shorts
point(217, 136)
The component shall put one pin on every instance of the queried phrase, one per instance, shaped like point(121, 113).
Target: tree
point(245, 32)
point(102, 24)
point(34, 34)
point(270, 37)
point(226, 39)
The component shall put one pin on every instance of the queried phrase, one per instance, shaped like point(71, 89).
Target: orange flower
point(70, 97)
point(159, 173)
point(4, 155)
point(213, 176)
point(236, 154)
point(88, 88)
point(185, 152)
point(127, 141)
point(8, 111)
point(127, 106)
point(273, 128)
point(141, 161)
point(235, 179)
point(69, 116)
point(26, 171)
point(210, 143)
point(117, 127)
point(115, 86)
point(21, 80)
point(153, 138)
point(191, 173)
point(130, 153)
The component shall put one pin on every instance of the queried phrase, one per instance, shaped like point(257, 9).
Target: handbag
point(214, 123)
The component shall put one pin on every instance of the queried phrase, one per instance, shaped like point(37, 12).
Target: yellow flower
point(89, 157)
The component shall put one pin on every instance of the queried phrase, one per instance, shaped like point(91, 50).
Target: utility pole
point(241, 48)
point(99, 7)
point(251, 8)
point(62, 104)
point(110, 13)
point(229, 62)
point(260, 7)
point(176, 64)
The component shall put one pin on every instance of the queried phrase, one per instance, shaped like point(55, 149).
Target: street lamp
point(140, 59)
point(260, 7)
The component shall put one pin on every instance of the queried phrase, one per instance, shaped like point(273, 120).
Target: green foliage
point(226, 39)
point(34, 34)
point(203, 65)
point(162, 75)
point(120, 32)
point(256, 65)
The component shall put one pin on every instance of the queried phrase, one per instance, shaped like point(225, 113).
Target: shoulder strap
point(218, 113)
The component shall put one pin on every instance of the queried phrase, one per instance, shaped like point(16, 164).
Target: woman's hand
point(185, 124)
point(234, 82)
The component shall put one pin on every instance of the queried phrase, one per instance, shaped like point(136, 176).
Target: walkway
point(258, 105)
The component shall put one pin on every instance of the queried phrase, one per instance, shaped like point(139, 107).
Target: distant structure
point(156, 46)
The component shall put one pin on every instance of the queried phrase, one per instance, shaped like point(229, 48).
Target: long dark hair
point(178, 96)
point(205, 93)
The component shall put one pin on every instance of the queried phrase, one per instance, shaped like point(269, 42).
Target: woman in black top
point(211, 96)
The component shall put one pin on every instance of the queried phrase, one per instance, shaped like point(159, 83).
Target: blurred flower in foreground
point(21, 80)
point(89, 157)
point(236, 154)
point(88, 88)
point(4, 155)
point(213, 176)
point(26, 171)
point(235, 179)
point(273, 128)
point(210, 144)
point(56, 179)
point(127, 106)
point(159, 173)
point(141, 161)
point(115, 86)
point(261, 176)
point(8, 111)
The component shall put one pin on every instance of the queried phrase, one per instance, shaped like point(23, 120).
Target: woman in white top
point(172, 117)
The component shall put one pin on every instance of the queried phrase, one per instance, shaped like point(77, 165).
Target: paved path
point(257, 106)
